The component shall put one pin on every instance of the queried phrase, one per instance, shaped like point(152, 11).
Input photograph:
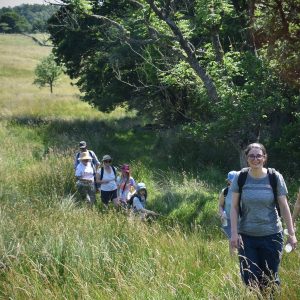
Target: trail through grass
point(52, 249)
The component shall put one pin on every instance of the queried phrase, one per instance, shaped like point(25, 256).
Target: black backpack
point(273, 182)
point(102, 172)
point(130, 201)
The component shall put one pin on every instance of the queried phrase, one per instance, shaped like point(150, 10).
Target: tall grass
point(51, 248)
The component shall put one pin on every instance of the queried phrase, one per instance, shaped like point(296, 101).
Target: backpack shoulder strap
point(273, 182)
point(114, 170)
point(241, 182)
point(101, 173)
point(242, 179)
point(225, 192)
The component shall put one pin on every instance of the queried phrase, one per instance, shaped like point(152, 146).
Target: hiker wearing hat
point(126, 185)
point(106, 176)
point(225, 198)
point(83, 148)
point(138, 202)
point(85, 178)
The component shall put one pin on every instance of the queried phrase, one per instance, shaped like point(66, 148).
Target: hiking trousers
point(259, 258)
point(87, 192)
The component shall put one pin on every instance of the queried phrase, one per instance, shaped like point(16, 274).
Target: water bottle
point(288, 248)
point(224, 219)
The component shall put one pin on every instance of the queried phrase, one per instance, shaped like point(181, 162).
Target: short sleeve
point(78, 172)
point(234, 187)
point(132, 182)
point(281, 186)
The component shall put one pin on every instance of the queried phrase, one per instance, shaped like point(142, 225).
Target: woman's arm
point(296, 210)
point(234, 213)
point(286, 215)
point(221, 203)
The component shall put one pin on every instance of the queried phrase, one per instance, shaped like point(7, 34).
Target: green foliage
point(47, 72)
point(51, 248)
point(11, 22)
point(34, 16)
point(129, 53)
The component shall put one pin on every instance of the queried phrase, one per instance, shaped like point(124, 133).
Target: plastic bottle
point(288, 248)
point(224, 219)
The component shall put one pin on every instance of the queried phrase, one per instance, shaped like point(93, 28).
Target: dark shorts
point(107, 196)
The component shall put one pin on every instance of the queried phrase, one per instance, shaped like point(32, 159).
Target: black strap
point(125, 185)
point(102, 171)
point(225, 192)
point(273, 182)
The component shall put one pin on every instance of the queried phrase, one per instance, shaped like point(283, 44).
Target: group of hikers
point(250, 208)
point(93, 176)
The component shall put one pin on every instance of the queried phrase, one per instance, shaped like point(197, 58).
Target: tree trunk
point(187, 47)
point(243, 159)
point(217, 47)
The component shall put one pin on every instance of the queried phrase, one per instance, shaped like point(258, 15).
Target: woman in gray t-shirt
point(259, 236)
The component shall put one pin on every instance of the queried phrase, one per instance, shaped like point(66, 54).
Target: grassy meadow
point(52, 249)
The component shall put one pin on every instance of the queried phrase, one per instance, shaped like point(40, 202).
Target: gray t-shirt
point(259, 215)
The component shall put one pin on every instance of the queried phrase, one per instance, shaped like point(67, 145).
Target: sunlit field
point(51, 248)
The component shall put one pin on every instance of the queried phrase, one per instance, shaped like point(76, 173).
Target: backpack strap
point(273, 183)
point(225, 192)
point(114, 170)
point(130, 201)
point(102, 172)
point(124, 187)
point(241, 182)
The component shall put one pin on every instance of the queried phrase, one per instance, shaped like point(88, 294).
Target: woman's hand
point(292, 240)
point(235, 241)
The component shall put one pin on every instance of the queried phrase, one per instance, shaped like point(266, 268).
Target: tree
point(47, 72)
point(34, 17)
point(12, 22)
point(196, 61)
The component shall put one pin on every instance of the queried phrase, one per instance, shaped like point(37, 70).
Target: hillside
point(51, 249)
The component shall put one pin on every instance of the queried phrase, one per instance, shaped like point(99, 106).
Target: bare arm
point(296, 210)
point(234, 213)
point(286, 215)
point(221, 204)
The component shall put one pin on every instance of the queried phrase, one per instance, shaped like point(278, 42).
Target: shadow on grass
point(115, 137)
point(125, 143)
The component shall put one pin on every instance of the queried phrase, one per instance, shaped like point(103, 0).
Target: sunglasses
point(107, 161)
point(258, 156)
